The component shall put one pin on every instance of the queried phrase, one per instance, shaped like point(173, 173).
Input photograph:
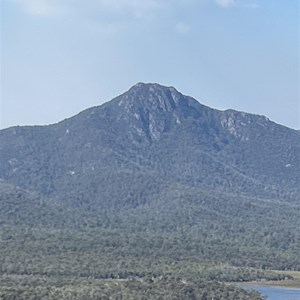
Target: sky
point(59, 57)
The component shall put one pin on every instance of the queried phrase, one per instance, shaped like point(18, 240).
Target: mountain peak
point(151, 86)
point(155, 109)
point(150, 115)
point(154, 95)
point(156, 98)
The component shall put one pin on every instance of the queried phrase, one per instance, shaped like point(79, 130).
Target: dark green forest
point(46, 252)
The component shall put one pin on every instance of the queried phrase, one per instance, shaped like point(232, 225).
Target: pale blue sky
point(59, 57)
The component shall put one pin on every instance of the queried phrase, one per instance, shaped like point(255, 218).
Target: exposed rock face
point(156, 108)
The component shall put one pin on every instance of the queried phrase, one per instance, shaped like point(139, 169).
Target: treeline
point(163, 288)
point(104, 254)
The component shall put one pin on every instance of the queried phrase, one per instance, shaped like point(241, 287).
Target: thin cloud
point(40, 7)
point(182, 28)
point(54, 7)
point(135, 6)
point(251, 5)
point(116, 10)
point(226, 3)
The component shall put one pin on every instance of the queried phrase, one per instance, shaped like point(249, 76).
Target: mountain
point(150, 176)
point(156, 132)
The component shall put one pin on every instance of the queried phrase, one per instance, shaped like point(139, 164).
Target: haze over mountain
point(215, 186)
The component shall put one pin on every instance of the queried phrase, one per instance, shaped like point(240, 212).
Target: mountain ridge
point(138, 85)
point(147, 116)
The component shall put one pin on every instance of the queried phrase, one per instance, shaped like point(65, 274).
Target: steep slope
point(159, 133)
point(21, 208)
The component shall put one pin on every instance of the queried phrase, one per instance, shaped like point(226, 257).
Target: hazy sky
point(59, 57)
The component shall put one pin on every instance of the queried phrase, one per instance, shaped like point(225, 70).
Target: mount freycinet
point(165, 179)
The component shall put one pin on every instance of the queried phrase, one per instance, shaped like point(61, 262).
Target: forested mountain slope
point(152, 184)
point(156, 131)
